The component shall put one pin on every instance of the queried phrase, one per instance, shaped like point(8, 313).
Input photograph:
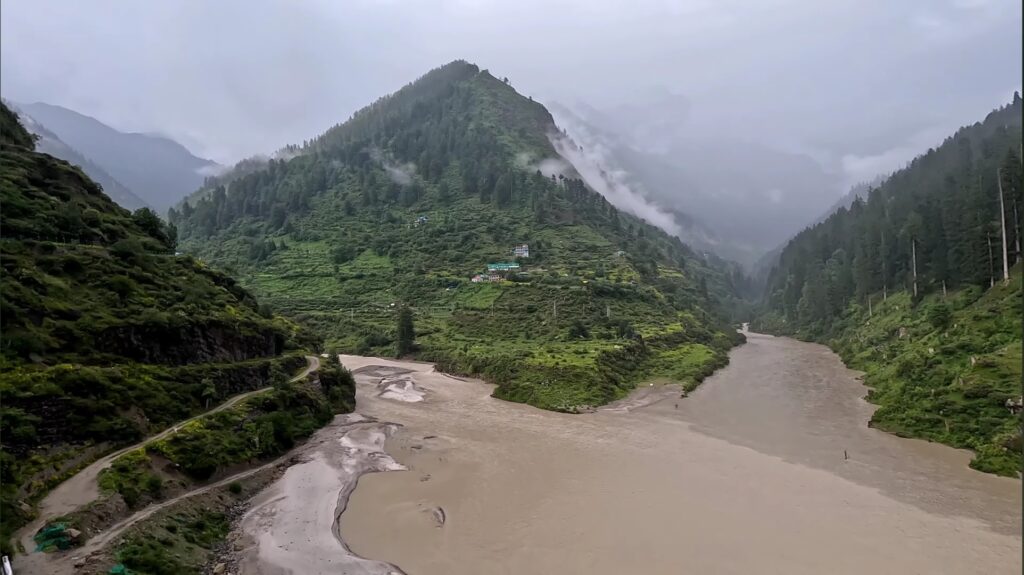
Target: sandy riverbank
point(291, 527)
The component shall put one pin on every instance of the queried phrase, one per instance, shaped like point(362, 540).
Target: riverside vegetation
point(402, 204)
point(109, 335)
point(909, 286)
point(254, 431)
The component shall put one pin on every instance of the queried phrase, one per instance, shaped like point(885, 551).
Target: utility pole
point(608, 311)
point(913, 256)
point(554, 310)
point(1016, 231)
point(1002, 226)
point(885, 291)
point(869, 306)
point(991, 262)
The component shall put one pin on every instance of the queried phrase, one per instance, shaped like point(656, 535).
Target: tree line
point(950, 219)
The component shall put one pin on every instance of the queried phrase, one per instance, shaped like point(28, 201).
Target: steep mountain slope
point(106, 334)
point(909, 285)
point(746, 197)
point(420, 191)
point(156, 169)
point(48, 143)
point(603, 153)
point(766, 263)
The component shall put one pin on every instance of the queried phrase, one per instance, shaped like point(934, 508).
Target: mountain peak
point(427, 197)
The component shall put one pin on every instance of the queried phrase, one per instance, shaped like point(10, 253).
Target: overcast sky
point(863, 85)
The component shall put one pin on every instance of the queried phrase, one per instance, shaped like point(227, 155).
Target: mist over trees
point(938, 224)
point(433, 125)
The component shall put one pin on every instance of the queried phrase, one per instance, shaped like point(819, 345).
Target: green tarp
point(53, 536)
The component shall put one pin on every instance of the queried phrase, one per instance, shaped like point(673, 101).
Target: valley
point(449, 334)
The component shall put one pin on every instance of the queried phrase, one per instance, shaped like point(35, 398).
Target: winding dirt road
point(83, 488)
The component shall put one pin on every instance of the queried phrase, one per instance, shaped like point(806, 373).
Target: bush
point(578, 330)
point(940, 316)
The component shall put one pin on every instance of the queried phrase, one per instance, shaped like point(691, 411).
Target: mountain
point(408, 202)
point(158, 170)
point(764, 265)
point(860, 191)
point(107, 335)
point(911, 285)
point(742, 197)
point(48, 143)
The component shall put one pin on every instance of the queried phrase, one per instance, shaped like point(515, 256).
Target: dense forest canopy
point(937, 224)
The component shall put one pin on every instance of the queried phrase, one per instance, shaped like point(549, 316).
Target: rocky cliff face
point(195, 343)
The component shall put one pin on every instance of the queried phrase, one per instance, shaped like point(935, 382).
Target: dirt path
point(83, 487)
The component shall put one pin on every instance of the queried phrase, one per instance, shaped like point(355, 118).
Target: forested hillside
point(48, 143)
point(107, 334)
point(415, 195)
point(919, 285)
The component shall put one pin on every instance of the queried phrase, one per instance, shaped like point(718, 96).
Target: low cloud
point(867, 167)
point(287, 153)
point(212, 170)
point(547, 166)
point(400, 174)
point(592, 162)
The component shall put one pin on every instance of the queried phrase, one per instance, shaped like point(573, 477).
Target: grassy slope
point(926, 383)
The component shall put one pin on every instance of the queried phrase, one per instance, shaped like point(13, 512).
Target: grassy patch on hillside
point(256, 429)
point(180, 545)
point(943, 369)
point(687, 364)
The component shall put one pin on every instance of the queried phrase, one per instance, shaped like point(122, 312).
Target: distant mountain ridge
point(48, 143)
point(155, 169)
point(742, 198)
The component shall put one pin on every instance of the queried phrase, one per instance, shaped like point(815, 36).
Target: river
point(747, 475)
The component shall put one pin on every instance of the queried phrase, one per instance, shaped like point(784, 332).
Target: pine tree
point(405, 332)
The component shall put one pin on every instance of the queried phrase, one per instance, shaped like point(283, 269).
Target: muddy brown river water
point(747, 475)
